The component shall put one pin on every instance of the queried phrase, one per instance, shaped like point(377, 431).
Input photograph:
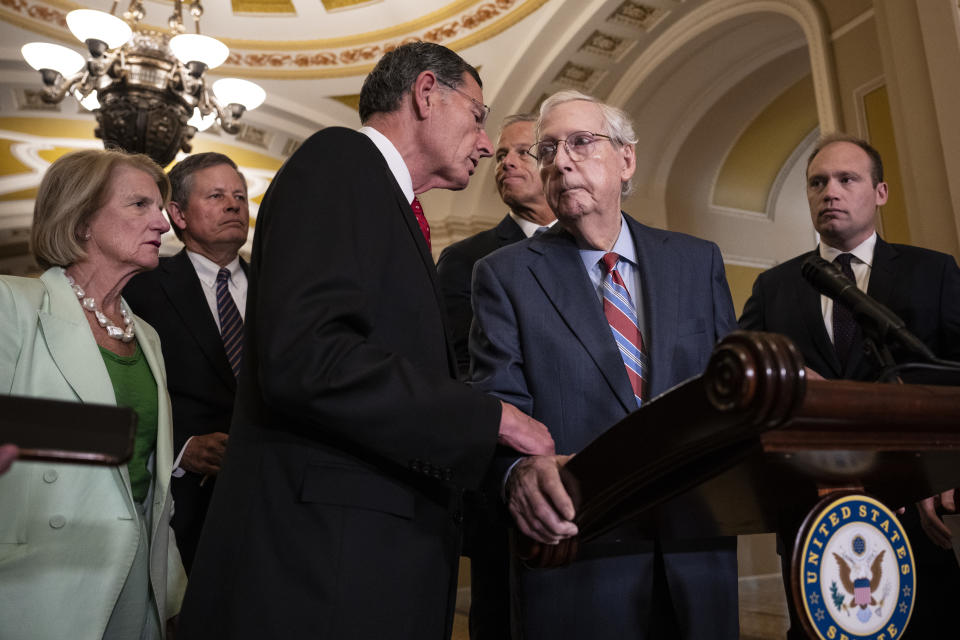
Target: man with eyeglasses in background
point(337, 513)
point(578, 327)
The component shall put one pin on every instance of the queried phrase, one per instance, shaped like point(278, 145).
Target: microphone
point(875, 318)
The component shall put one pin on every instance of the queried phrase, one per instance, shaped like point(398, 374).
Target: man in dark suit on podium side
point(338, 510)
point(518, 182)
point(579, 326)
point(845, 187)
point(199, 331)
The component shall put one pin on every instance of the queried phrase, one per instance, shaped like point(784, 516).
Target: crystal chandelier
point(147, 88)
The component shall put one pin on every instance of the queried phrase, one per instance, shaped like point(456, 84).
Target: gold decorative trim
point(444, 13)
point(271, 7)
point(274, 65)
point(345, 5)
point(246, 61)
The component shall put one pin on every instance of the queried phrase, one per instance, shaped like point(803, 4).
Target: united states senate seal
point(854, 574)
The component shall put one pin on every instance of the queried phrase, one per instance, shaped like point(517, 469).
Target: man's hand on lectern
point(931, 522)
point(538, 501)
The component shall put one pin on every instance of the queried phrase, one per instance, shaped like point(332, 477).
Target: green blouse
point(135, 387)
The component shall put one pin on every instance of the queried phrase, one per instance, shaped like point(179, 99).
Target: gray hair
point(514, 118)
point(397, 70)
point(617, 123)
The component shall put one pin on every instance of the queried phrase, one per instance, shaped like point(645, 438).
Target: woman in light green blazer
point(85, 551)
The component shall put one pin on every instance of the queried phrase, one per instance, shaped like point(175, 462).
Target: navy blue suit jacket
point(540, 340)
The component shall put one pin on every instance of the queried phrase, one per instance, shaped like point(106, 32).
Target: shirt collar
point(529, 228)
point(394, 160)
point(863, 251)
point(207, 269)
point(624, 247)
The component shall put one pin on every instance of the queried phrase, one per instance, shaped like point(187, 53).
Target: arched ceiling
point(666, 61)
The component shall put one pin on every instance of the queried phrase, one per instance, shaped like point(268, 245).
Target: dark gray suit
point(541, 341)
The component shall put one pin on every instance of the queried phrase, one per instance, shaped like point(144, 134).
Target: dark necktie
point(844, 325)
point(622, 316)
point(421, 220)
point(231, 324)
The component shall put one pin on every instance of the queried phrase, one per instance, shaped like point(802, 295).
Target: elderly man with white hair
point(578, 327)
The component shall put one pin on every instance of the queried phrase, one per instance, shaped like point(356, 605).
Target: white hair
point(617, 123)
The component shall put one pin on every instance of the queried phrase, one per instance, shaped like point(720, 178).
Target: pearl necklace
point(124, 335)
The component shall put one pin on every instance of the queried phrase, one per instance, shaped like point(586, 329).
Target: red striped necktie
point(622, 316)
point(421, 220)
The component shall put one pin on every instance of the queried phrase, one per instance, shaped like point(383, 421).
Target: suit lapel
point(71, 344)
point(882, 272)
point(561, 275)
point(406, 214)
point(661, 304)
point(509, 232)
point(182, 287)
point(811, 311)
point(882, 276)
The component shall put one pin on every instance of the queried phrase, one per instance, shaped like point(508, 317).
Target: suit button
point(57, 522)
point(50, 476)
point(415, 466)
point(448, 474)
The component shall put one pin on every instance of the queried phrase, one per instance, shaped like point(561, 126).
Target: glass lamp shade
point(87, 24)
point(90, 103)
point(43, 55)
point(237, 91)
point(193, 47)
point(200, 122)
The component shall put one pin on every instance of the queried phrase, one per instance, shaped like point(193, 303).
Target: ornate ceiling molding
point(461, 24)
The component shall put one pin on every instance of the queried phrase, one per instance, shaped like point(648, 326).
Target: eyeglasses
point(579, 146)
point(484, 109)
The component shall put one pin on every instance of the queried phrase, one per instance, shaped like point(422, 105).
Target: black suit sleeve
point(949, 338)
point(348, 332)
point(454, 270)
point(752, 317)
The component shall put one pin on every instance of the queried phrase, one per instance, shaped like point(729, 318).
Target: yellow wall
point(893, 216)
point(741, 280)
point(749, 170)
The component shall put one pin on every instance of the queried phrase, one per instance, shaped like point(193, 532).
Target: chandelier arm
point(55, 92)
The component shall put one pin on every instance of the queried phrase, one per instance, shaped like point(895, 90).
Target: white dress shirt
point(529, 228)
point(394, 160)
point(861, 264)
point(207, 273)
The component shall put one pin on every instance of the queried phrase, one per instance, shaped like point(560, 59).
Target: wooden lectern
point(752, 445)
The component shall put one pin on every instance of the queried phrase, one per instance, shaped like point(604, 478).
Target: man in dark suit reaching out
point(210, 214)
point(337, 513)
point(845, 187)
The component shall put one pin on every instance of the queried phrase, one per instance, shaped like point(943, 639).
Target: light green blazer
point(69, 533)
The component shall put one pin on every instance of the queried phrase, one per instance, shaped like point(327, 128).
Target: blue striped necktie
point(231, 324)
point(622, 316)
